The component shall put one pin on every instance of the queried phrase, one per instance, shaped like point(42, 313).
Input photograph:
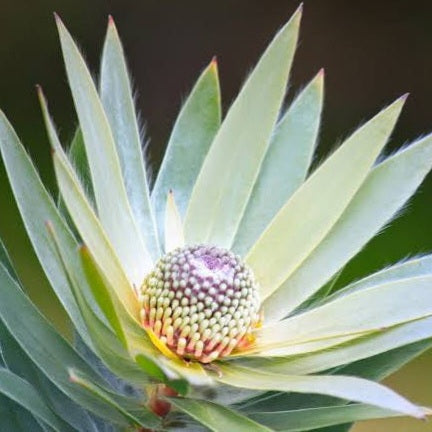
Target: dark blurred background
point(372, 51)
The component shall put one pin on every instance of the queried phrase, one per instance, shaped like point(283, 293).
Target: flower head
point(201, 301)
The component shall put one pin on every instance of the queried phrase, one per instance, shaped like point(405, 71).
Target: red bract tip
point(214, 63)
point(321, 72)
point(110, 20)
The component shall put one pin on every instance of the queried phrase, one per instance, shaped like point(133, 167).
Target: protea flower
point(206, 303)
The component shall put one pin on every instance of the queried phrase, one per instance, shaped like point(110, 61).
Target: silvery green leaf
point(311, 418)
point(345, 387)
point(368, 346)
point(285, 165)
point(24, 394)
point(115, 215)
point(111, 348)
point(17, 361)
point(216, 417)
point(310, 214)
point(174, 235)
point(36, 208)
point(421, 266)
point(14, 418)
point(373, 309)
point(374, 368)
point(229, 171)
point(45, 347)
point(386, 189)
point(192, 134)
point(117, 100)
point(136, 413)
point(91, 230)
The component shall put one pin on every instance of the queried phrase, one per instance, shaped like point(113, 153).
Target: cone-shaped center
point(201, 301)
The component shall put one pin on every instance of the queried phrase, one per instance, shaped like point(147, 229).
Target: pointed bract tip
point(39, 91)
point(110, 20)
point(72, 376)
point(321, 72)
point(404, 97)
point(298, 12)
point(57, 18)
point(214, 63)
point(40, 95)
point(421, 414)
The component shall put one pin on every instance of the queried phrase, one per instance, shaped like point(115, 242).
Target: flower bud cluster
point(201, 301)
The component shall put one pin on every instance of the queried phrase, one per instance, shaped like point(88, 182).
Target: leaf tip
point(112, 28)
point(40, 94)
point(58, 20)
point(404, 97)
point(299, 12)
point(49, 226)
point(214, 63)
point(73, 378)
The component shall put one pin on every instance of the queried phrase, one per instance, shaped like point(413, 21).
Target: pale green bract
point(307, 360)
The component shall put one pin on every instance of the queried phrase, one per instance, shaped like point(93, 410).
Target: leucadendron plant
point(206, 302)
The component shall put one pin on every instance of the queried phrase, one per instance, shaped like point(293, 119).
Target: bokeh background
point(372, 51)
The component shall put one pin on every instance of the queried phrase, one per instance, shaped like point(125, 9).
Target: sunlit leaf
point(37, 207)
point(372, 309)
point(309, 215)
point(174, 236)
point(101, 294)
point(421, 266)
point(115, 215)
point(193, 132)
point(91, 231)
point(117, 100)
point(386, 189)
point(106, 344)
point(350, 388)
point(285, 165)
point(229, 171)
